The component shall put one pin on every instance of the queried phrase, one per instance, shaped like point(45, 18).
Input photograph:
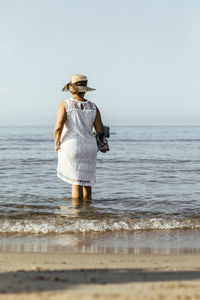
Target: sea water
point(147, 188)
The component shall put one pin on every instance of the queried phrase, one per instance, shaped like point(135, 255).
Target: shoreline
point(156, 242)
point(96, 276)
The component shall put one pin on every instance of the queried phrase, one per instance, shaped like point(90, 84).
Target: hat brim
point(80, 89)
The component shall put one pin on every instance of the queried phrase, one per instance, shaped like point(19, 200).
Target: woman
point(74, 142)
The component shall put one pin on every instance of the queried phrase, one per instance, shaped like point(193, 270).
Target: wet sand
point(159, 242)
point(97, 276)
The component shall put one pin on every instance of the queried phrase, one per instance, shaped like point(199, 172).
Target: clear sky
point(142, 56)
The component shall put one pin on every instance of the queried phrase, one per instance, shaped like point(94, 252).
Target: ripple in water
point(148, 181)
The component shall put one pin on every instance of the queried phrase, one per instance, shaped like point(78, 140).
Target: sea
point(146, 199)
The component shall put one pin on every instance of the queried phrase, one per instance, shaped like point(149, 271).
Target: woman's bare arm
point(98, 125)
point(60, 120)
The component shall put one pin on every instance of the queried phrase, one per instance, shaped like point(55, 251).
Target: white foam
point(83, 225)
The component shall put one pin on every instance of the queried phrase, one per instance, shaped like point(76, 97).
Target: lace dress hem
point(76, 181)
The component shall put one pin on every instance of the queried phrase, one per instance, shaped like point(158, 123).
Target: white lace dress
point(78, 150)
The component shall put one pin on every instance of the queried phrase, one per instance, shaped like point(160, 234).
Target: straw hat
point(77, 84)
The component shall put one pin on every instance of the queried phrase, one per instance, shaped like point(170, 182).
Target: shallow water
point(149, 180)
point(173, 242)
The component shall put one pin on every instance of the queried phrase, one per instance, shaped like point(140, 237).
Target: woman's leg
point(77, 191)
point(77, 203)
point(87, 192)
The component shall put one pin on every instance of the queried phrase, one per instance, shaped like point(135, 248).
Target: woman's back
point(80, 119)
point(78, 149)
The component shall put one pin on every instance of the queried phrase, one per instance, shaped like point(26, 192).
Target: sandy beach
point(93, 276)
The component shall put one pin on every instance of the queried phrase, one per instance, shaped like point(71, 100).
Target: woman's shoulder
point(62, 104)
point(91, 102)
point(91, 105)
point(65, 103)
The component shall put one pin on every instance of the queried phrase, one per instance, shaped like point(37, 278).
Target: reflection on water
point(79, 208)
point(77, 203)
point(152, 242)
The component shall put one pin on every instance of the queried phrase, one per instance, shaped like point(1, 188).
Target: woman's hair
point(78, 93)
point(73, 87)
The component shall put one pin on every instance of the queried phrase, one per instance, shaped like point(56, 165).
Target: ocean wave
point(96, 225)
point(129, 140)
point(146, 160)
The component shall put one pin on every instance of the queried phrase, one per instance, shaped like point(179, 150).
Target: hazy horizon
point(141, 56)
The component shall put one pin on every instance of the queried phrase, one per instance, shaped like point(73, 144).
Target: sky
point(142, 56)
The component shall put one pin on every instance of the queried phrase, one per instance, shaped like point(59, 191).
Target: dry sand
point(91, 276)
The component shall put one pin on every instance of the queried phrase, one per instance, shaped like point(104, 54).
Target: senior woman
point(74, 141)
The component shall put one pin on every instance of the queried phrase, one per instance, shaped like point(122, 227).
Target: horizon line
point(114, 125)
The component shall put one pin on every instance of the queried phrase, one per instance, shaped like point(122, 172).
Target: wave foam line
point(77, 226)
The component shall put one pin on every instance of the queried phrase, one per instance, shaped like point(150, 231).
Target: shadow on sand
point(33, 281)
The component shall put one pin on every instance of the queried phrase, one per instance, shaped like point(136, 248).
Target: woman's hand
point(57, 147)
